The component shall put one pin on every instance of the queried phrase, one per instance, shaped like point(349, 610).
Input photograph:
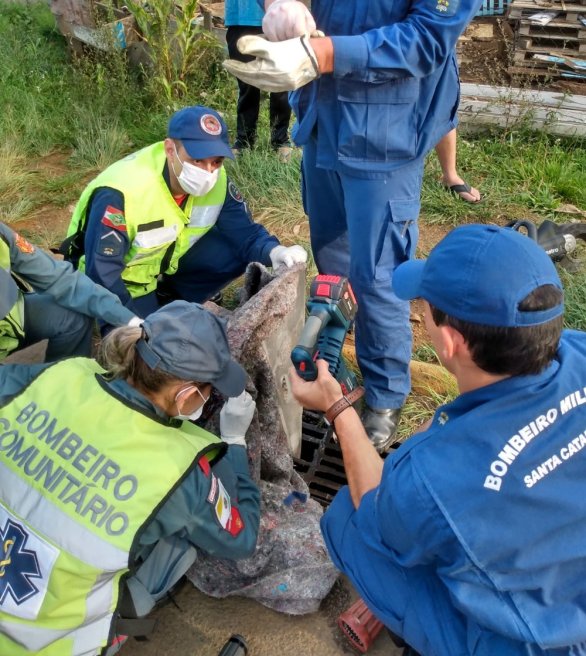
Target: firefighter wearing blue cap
point(166, 222)
point(470, 538)
point(43, 298)
point(107, 488)
point(372, 97)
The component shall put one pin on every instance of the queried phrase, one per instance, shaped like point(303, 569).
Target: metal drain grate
point(320, 462)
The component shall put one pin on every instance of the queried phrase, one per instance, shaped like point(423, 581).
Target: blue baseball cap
point(480, 273)
point(185, 340)
point(202, 131)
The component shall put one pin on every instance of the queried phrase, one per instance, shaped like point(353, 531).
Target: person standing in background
point(245, 17)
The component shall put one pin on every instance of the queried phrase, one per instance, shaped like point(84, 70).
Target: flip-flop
point(459, 189)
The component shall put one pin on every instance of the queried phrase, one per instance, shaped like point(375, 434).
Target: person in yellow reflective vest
point(43, 298)
point(167, 223)
point(107, 488)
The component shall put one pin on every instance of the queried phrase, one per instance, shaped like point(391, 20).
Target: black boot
point(381, 427)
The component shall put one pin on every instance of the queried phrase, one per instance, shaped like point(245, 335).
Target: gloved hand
point(286, 19)
point(287, 256)
point(281, 66)
point(235, 418)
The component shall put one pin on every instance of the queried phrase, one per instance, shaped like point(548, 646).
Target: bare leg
point(446, 154)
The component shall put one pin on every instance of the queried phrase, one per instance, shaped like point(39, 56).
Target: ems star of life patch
point(114, 218)
point(23, 245)
point(26, 561)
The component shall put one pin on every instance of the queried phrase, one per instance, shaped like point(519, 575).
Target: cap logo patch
point(210, 124)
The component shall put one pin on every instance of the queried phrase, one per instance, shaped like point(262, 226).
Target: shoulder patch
point(110, 244)
point(233, 191)
point(114, 218)
point(23, 245)
point(223, 505)
point(235, 523)
point(445, 7)
point(213, 490)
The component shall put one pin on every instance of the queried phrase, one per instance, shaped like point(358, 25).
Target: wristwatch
point(342, 404)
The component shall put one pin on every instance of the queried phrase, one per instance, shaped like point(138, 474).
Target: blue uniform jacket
point(394, 91)
point(69, 288)
point(187, 513)
point(484, 516)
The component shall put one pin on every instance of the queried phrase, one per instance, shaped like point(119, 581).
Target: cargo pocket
point(398, 238)
point(378, 121)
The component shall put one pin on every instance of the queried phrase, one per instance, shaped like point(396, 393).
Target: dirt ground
point(200, 625)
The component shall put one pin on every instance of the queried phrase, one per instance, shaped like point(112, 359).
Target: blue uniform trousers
point(69, 332)
point(409, 601)
point(364, 228)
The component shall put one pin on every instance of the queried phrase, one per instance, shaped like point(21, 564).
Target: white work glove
point(235, 418)
point(286, 19)
point(281, 66)
point(287, 256)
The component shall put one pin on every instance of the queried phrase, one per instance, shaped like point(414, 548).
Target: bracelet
point(342, 404)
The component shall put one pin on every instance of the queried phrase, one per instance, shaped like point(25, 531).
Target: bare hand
point(318, 394)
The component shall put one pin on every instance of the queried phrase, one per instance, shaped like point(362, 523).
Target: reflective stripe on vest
point(155, 224)
point(80, 475)
point(12, 325)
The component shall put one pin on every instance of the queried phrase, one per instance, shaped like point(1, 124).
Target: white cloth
point(281, 66)
point(287, 256)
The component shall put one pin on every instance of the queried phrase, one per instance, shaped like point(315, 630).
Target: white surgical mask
point(194, 416)
point(195, 181)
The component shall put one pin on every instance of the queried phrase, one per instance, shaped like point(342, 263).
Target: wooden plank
point(569, 15)
point(552, 99)
point(546, 46)
point(529, 29)
point(556, 113)
point(551, 6)
point(478, 112)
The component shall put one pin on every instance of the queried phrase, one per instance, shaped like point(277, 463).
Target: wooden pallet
point(531, 72)
point(526, 54)
point(568, 13)
point(548, 44)
point(553, 30)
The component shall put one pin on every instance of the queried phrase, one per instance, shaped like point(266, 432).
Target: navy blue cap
point(185, 340)
point(202, 131)
point(480, 273)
